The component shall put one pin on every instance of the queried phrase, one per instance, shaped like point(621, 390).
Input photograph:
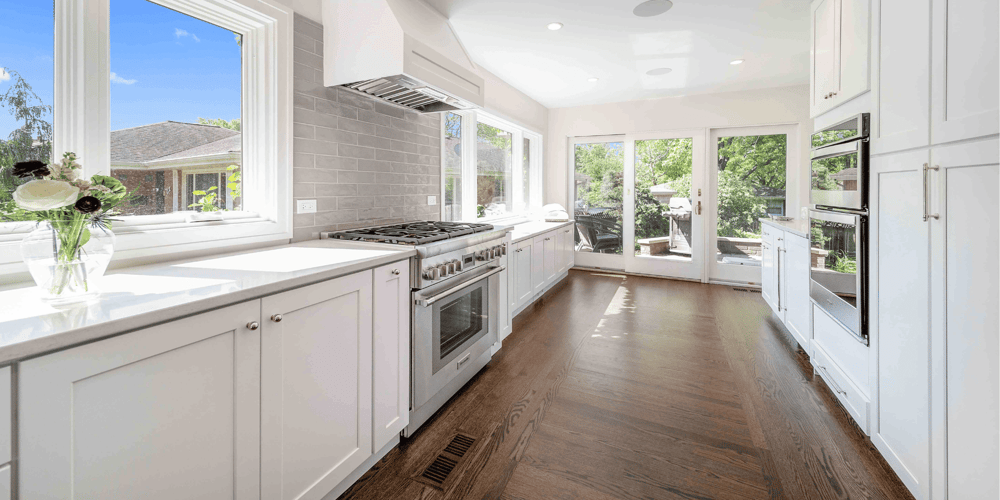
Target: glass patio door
point(597, 188)
point(663, 229)
point(747, 180)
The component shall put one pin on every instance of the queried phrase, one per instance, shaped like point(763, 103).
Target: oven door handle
point(431, 300)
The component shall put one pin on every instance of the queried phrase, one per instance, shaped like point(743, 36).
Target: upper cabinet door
point(902, 93)
point(824, 53)
point(855, 49)
point(966, 72)
point(168, 412)
point(316, 386)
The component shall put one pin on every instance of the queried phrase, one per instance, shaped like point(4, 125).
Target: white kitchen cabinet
point(390, 352)
point(566, 249)
point(901, 117)
point(899, 323)
point(171, 411)
point(542, 262)
point(796, 262)
point(770, 289)
point(316, 386)
point(964, 331)
point(840, 52)
point(523, 258)
point(965, 103)
point(503, 322)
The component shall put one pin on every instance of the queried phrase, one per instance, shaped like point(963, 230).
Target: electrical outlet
point(305, 206)
point(432, 200)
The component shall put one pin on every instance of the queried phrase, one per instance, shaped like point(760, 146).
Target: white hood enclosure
point(402, 51)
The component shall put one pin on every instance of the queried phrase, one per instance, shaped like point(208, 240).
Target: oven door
point(839, 176)
point(453, 323)
point(838, 273)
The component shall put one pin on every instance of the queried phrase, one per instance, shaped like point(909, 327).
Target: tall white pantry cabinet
point(934, 274)
point(279, 397)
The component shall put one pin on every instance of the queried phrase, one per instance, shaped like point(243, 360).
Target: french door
point(747, 181)
point(637, 200)
point(682, 204)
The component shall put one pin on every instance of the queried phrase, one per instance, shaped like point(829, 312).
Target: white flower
point(45, 194)
point(82, 184)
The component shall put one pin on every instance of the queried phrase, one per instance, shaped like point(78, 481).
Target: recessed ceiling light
point(651, 8)
point(658, 71)
point(555, 26)
point(593, 79)
point(738, 61)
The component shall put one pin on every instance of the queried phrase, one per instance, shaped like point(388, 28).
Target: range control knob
point(458, 265)
point(503, 249)
point(431, 273)
point(443, 270)
point(450, 265)
point(483, 255)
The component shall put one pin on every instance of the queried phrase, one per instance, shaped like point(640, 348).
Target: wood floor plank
point(620, 387)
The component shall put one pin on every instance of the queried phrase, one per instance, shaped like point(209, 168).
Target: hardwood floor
point(625, 387)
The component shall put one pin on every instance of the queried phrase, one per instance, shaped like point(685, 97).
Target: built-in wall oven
point(838, 223)
point(838, 276)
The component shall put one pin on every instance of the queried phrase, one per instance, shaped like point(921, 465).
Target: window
point(491, 167)
point(198, 95)
point(165, 121)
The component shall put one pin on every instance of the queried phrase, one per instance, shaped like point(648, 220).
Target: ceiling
point(697, 39)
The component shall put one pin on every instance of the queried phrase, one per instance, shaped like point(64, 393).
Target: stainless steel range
point(455, 287)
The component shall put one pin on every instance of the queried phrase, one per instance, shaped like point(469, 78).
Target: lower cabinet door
point(523, 284)
point(795, 277)
point(568, 247)
point(769, 269)
point(551, 244)
point(316, 386)
point(538, 264)
point(390, 352)
point(503, 322)
point(167, 412)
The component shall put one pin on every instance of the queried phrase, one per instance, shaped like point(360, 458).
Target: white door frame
point(591, 259)
point(693, 269)
point(730, 273)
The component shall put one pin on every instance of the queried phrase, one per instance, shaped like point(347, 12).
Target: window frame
point(470, 121)
point(81, 123)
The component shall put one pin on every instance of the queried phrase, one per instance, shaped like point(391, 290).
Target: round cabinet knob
point(253, 325)
point(276, 318)
point(395, 272)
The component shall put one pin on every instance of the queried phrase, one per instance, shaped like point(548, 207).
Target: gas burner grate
point(412, 233)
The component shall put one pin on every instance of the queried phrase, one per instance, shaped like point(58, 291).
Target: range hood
point(403, 51)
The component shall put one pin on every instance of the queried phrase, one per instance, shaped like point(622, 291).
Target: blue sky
point(166, 65)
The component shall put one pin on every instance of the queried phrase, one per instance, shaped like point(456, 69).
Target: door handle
point(926, 194)
point(698, 212)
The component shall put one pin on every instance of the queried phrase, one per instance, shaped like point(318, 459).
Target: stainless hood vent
point(403, 51)
point(405, 92)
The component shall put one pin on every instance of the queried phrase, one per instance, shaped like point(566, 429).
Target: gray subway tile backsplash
point(365, 161)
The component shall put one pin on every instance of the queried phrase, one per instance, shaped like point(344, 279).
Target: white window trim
point(81, 123)
point(470, 119)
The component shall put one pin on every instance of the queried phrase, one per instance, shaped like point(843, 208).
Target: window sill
point(166, 241)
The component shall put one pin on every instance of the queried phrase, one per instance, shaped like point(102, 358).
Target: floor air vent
point(442, 466)
point(750, 290)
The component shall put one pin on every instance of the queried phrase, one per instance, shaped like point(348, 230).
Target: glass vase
point(67, 259)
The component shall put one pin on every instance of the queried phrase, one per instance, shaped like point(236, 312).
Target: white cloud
point(4, 75)
point(117, 79)
point(179, 33)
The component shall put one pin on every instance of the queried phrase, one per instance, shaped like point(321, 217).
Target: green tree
point(233, 124)
point(32, 140)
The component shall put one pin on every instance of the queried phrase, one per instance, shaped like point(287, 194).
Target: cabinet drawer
point(841, 386)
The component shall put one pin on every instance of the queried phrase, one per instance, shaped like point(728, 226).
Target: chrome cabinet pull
point(829, 380)
point(276, 318)
point(926, 194)
point(253, 325)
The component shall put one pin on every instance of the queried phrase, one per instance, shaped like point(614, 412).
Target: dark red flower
point(88, 205)
point(33, 168)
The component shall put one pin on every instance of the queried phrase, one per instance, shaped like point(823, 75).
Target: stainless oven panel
point(851, 129)
point(839, 176)
point(838, 277)
point(454, 323)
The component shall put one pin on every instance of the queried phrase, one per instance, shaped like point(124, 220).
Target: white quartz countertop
point(139, 297)
point(527, 230)
point(799, 227)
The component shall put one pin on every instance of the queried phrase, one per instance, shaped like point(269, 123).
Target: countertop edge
point(786, 226)
point(536, 233)
point(35, 347)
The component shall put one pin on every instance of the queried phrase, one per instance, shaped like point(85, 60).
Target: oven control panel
point(450, 264)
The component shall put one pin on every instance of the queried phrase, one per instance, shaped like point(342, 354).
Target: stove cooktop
point(412, 233)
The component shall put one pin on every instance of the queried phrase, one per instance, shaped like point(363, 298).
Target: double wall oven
point(838, 223)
